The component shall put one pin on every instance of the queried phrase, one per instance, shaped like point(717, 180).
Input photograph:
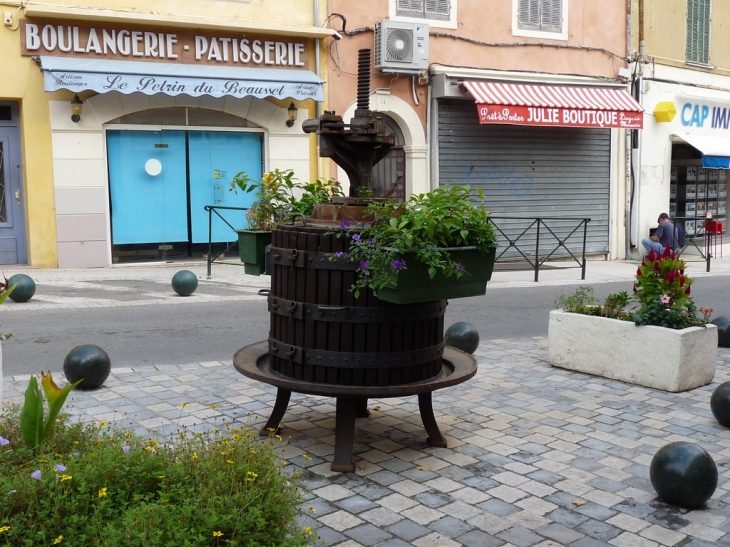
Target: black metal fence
point(537, 240)
point(217, 258)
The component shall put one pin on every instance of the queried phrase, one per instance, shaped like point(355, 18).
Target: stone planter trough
point(649, 356)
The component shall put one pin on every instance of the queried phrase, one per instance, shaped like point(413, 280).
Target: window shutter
point(410, 6)
point(437, 7)
point(552, 15)
point(529, 13)
point(698, 31)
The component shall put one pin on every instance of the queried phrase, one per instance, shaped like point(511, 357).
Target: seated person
point(662, 237)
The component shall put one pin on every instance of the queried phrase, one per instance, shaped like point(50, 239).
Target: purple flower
point(125, 448)
point(398, 264)
point(340, 254)
point(36, 475)
point(371, 242)
point(60, 467)
point(344, 224)
point(77, 454)
point(4, 441)
point(458, 267)
point(356, 237)
point(364, 265)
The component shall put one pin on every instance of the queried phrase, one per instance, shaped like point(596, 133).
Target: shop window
point(698, 32)
point(544, 18)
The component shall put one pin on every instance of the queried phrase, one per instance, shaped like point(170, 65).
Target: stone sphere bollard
point(88, 363)
point(463, 336)
point(24, 288)
point(723, 330)
point(184, 282)
point(683, 474)
point(720, 404)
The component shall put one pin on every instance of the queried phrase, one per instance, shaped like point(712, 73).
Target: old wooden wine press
point(323, 340)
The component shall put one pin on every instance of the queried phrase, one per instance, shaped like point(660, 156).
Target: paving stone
point(367, 534)
point(408, 530)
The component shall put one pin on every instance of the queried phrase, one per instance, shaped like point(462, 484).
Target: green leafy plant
point(89, 485)
point(427, 226)
point(35, 425)
point(663, 291)
point(280, 197)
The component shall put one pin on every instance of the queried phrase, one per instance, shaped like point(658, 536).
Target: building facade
point(527, 100)
point(681, 75)
point(118, 126)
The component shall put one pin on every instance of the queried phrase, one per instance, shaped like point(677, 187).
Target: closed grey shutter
point(437, 8)
point(698, 31)
point(552, 16)
point(529, 14)
point(530, 172)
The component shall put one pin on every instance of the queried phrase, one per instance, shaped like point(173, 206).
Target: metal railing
point(213, 210)
point(537, 228)
point(691, 240)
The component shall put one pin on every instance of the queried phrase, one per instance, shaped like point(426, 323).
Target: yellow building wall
point(665, 30)
point(23, 80)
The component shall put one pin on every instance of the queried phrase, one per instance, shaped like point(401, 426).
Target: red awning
point(549, 105)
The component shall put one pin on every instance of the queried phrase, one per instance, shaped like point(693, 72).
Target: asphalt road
point(212, 331)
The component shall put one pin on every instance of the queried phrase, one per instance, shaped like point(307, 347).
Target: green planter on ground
point(252, 248)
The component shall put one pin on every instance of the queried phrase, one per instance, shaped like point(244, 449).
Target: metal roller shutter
point(530, 172)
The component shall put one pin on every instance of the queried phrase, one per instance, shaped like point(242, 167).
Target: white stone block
point(656, 357)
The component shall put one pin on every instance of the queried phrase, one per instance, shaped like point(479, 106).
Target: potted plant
point(665, 343)
point(279, 197)
point(435, 246)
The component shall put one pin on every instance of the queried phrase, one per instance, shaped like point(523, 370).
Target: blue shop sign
point(702, 115)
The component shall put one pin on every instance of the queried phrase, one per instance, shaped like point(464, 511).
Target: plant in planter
point(279, 197)
point(665, 343)
point(434, 246)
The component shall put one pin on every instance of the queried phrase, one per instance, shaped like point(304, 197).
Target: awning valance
point(127, 77)
point(550, 105)
point(715, 150)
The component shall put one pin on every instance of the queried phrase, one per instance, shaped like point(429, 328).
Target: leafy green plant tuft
point(87, 485)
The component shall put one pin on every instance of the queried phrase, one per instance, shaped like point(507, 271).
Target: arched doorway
point(389, 174)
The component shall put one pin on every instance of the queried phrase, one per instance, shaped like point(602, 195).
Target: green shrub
point(91, 486)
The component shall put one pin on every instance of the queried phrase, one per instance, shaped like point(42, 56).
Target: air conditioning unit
point(401, 47)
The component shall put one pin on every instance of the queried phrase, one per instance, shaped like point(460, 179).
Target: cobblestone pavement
point(536, 455)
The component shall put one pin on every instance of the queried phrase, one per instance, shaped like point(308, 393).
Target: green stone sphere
point(683, 474)
point(184, 282)
point(463, 336)
point(723, 330)
point(24, 288)
point(88, 363)
point(720, 404)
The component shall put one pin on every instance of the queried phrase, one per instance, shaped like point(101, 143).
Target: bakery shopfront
point(151, 126)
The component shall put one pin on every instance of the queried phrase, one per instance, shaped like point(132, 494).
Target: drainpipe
point(634, 144)
point(317, 70)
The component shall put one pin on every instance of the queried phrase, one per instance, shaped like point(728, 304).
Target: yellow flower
point(184, 405)
point(66, 478)
point(312, 510)
point(217, 534)
point(102, 423)
point(309, 530)
point(161, 477)
point(306, 456)
point(195, 455)
point(102, 492)
point(58, 540)
point(229, 461)
point(4, 529)
point(213, 406)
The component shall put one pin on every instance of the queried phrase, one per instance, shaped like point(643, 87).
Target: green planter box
point(252, 248)
point(414, 285)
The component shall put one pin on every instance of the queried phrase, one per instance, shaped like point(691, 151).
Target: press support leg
point(435, 438)
point(345, 434)
point(282, 402)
